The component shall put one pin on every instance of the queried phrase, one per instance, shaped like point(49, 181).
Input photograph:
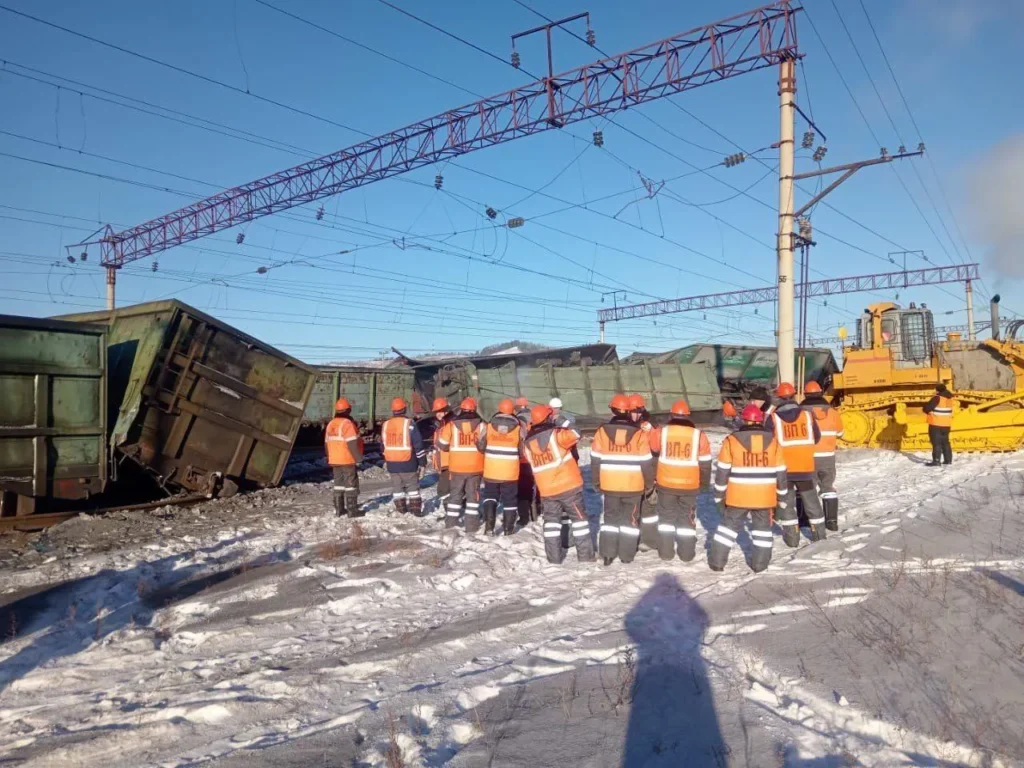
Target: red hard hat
point(507, 407)
point(398, 404)
point(468, 404)
point(342, 405)
point(729, 409)
point(753, 414)
point(680, 408)
point(812, 388)
point(540, 413)
point(785, 389)
point(440, 404)
point(522, 402)
point(619, 403)
point(636, 402)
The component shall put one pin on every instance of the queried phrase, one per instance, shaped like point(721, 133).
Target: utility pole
point(970, 310)
point(785, 328)
point(111, 287)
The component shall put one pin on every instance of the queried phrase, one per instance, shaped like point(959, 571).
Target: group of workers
point(779, 459)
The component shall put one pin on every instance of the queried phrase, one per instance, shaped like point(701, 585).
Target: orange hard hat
point(785, 389)
point(619, 403)
point(398, 404)
point(636, 402)
point(507, 407)
point(468, 404)
point(729, 409)
point(680, 408)
point(540, 413)
point(753, 414)
point(812, 388)
point(440, 404)
point(522, 402)
point(342, 405)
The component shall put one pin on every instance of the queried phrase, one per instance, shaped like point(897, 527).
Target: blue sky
point(457, 281)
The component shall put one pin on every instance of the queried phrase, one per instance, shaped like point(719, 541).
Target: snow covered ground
point(263, 631)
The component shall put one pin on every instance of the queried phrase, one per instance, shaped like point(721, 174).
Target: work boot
point(818, 531)
point(352, 505)
point(790, 533)
point(933, 463)
point(490, 510)
point(401, 506)
point(686, 543)
point(760, 558)
point(831, 506)
point(508, 520)
point(608, 560)
point(416, 506)
point(339, 503)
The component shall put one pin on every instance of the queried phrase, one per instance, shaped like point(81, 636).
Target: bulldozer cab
point(893, 346)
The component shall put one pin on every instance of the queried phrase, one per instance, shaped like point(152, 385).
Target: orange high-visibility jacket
point(751, 472)
point(501, 443)
point(459, 437)
point(396, 438)
point(797, 434)
point(830, 424)
point(548, 449)
point(620, 458)
point(439, 458)
point(940, 411)
point(684, 456)
point(343, 443)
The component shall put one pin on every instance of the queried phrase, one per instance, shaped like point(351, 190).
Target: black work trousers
point(504, 494)
point(677, 526)
point(620, 527)
point(346, 491)
point(527, 500)
point(729, 530)
point(465, 490)
point(566, 508)
point(787, 517)
point(444, 488)
point(941, 449)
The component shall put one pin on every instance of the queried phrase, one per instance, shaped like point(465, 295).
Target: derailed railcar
point(369, 390)
point(53, 412)
point(199, 405)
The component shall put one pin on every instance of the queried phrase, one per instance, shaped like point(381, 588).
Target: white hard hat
point(555, 402)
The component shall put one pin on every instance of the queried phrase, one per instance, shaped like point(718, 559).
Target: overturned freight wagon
point(369, 390)
point(53, 412)
point(197, 404)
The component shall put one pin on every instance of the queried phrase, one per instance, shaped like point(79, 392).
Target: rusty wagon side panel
point(370, 390)
point(198, 404)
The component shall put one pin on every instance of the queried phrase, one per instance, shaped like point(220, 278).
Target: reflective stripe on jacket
point(940, 411)
point(548, 450)
point(459, 438)
point(343, 443)
point(501, 444)
point(751, 471)
point(620, 458)
point(684, 456)
point(797, 434)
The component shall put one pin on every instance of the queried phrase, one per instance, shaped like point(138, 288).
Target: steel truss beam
point(881, 281)
point(707, 54)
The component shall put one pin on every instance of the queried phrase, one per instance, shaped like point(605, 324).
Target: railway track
point(36, 522)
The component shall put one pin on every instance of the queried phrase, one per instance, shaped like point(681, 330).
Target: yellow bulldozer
point(891, 371)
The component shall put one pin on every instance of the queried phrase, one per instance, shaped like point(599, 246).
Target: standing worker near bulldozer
point(750, 479)
point(344, 452)
point(683, 471)
point(622, 469)
point(405, 458)
point(797, 434)
point(548, 448)
point(830, 424)
point(438, 458)
point(465, 464)
point(939, 411)
point(501, 444)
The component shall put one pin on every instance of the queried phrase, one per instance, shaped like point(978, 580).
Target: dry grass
point(568, 695)
point(393, 757)
point(626, 676)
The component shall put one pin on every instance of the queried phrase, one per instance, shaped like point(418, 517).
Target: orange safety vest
point(555, 471)
point(830, 424)
point(396, 440)
point(501, 455)
point(340, 431)
point(622, 458)
point(942, 416)
point(797, 441)
point(681, 450)
point(465, 458)
point(753, 474)
point(440, 458)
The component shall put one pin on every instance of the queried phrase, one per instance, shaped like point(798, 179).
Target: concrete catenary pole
point(970, 310)
point(786, 326)
point(111, 287)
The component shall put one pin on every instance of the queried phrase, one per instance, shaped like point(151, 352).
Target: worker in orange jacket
point(750, 479)
point(548, 449)
point(830, 424)
point(683, 470)
point(527, 500)
point(405, 458)
point(621, 468)
point(939, 411)
point(797, 434)
point(501, 444)
point(465, 465)
point(344, 452)
point(649, 503)
point(438, 458)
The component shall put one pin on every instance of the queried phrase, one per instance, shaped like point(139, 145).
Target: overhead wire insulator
point(884, 152)
point(515, 59)
point(591, 38)
point(319, 213)
point(735, 159)
point(240, 238)
point(438, 181)
point(71, 259)
point(83, 256)
point(261, 270)
point(902, 150)
point(819, 153)
point(155, 266)
point(491, 213)
point(598, 138)
point(808, 140)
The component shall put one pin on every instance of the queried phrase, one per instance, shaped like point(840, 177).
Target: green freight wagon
point(199, 405)
point(53, 411)
point(370, 390)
